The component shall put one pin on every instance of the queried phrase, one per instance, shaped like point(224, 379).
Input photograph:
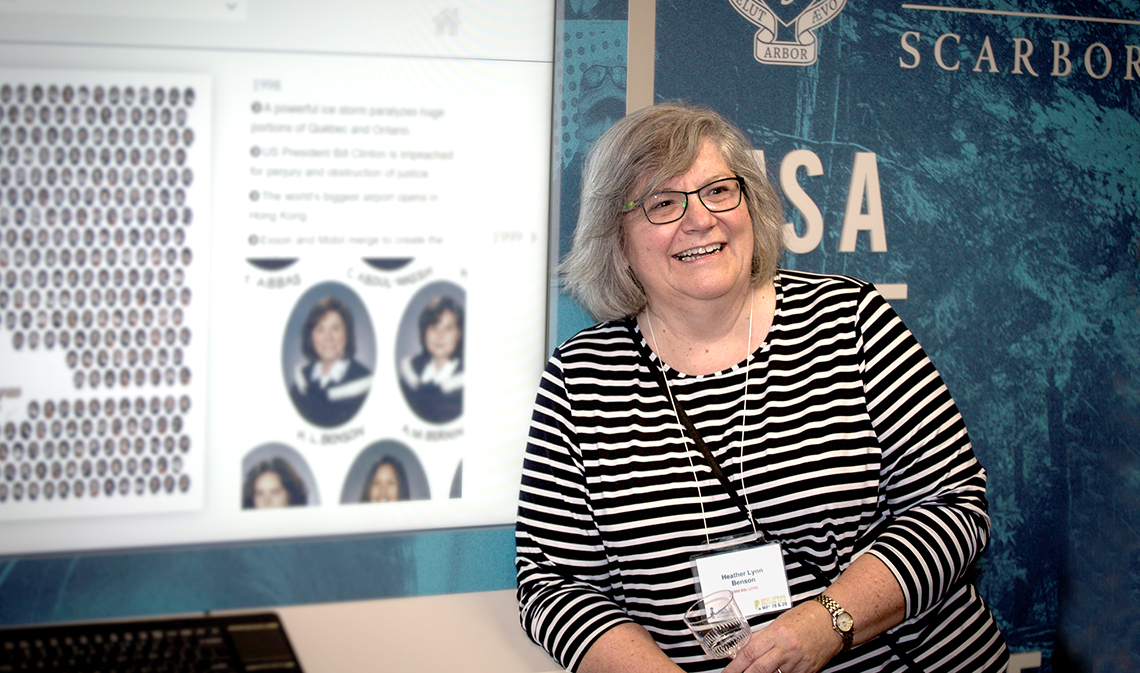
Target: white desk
point(479, 633)
point(472, 632)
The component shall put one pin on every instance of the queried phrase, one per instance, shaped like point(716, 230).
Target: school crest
point(785, 36)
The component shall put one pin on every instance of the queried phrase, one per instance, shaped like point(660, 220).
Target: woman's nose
point(697, 216)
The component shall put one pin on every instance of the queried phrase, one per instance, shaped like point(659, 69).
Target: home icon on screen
point(447, 22)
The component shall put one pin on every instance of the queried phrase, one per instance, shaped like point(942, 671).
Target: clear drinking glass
point(719, 626)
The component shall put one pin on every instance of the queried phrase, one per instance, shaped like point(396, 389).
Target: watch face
point(844, 621)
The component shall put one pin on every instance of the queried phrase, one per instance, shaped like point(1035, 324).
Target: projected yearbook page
point(268, 270)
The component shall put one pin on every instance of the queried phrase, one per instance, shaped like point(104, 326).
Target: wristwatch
point(841, 620)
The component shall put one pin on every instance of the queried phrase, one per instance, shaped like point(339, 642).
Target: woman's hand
point(801, 640)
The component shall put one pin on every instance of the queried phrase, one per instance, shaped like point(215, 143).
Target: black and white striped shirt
point(852, 445)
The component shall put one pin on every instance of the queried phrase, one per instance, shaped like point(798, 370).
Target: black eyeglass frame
point(629, 207)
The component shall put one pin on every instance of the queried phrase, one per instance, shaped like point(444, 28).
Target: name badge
point(753, 572)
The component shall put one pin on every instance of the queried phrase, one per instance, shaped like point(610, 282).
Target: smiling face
point(329, 338)
point(442, 337)
point(385, 486)
point(704, 255)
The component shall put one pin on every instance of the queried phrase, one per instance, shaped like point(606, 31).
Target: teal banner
point(980, 165)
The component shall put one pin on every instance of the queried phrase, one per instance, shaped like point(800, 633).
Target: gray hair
point(644, 149)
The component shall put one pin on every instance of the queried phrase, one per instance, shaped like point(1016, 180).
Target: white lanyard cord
point(681, 427)
point(744, 416)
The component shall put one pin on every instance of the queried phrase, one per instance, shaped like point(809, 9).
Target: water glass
point(718, 624)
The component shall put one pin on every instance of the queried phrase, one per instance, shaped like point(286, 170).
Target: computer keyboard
point(231, 643)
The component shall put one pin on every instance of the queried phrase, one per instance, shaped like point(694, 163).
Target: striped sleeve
point(561, 563)
point(935, 488)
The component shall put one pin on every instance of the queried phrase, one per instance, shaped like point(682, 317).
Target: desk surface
point(474, 632)
point(481, 629)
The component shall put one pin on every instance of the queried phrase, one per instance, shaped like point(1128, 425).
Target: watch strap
point(832, 607)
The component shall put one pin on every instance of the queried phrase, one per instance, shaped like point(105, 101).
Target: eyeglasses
point(665, 207)
point(595, 76)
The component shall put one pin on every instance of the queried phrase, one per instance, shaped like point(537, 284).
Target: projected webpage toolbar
point(253, 286)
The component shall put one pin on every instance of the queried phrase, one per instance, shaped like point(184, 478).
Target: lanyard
point(695, 435)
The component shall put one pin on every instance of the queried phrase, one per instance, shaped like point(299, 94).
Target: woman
point(273, 483)
point(831, 428)
point(432, 381)
point(329, 388)
point(387, 482)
